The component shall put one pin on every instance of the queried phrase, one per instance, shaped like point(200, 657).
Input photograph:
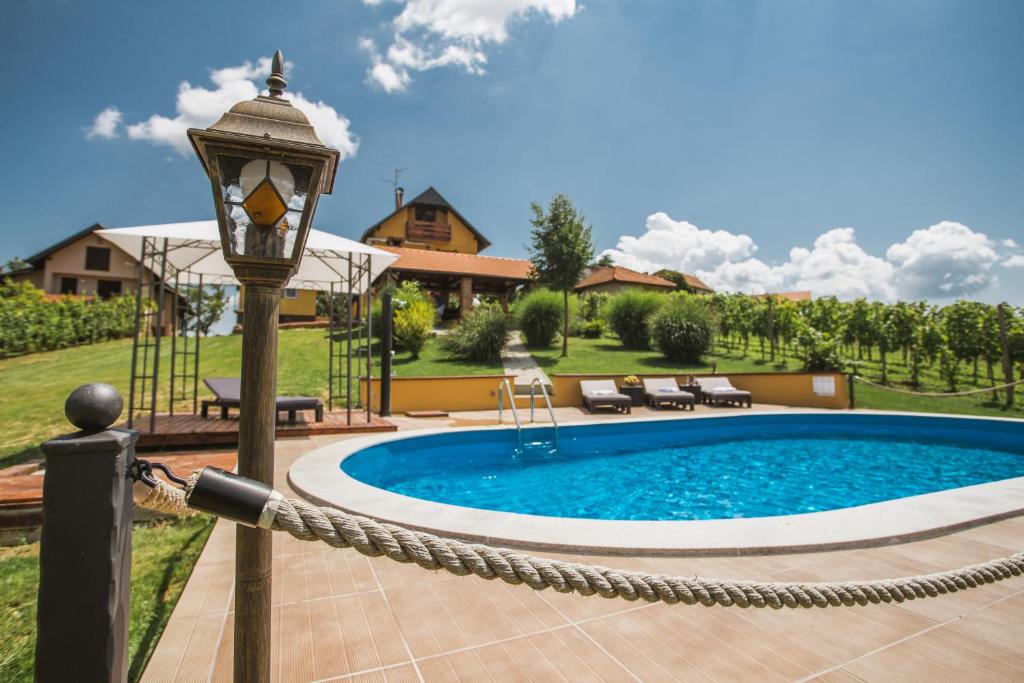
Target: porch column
point(465, 296)
point(503, 300)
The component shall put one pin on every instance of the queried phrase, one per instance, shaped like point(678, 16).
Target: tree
point(677, 278)
point(859, 326)
point(15, 264)
point(561, 248)
point(203, 307)
point(963, 332)
point(606, 261)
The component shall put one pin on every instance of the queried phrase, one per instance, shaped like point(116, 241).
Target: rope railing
point(936, 394)
point(369, 537)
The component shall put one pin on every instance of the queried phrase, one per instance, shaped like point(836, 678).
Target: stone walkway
point(517, 361)
point(340, 616)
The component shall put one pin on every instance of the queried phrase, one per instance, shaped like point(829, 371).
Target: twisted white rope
point(369, 537)
point(372, 538)
point(936, 394)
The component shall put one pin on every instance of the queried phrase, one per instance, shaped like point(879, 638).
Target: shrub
point(29, 322)
point(414, 323)
point(480, 336)
point(821, 351)
point(683, 328)
point(628, 314)
point(539, 316)
point(413, 317)
point(592, 329)
point(592, 304)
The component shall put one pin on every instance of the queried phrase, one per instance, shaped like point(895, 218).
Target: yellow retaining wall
point(779, 388)
point(451, 393)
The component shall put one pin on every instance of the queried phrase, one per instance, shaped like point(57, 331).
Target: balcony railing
point(428, 232)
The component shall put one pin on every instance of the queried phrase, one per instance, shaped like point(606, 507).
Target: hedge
point(31, 322)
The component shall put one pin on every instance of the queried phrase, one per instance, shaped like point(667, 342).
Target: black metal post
point(86, 553)
point(174, 341)
point(161, 293)
point(386, 331)
point(135, 339)
point(330, 348)
point(195, 361)
point(348, 347)
point(369, 338)
point(849, 389)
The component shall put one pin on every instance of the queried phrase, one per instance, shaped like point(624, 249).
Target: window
point(290, 293)
point(426, 214)
point(108, 288)
point(394, 241)
point(97, 258)
point(69, 285)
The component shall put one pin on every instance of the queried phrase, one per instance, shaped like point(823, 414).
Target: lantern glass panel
point(263, 203)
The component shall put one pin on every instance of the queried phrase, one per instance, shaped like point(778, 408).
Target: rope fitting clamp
point(239, 499)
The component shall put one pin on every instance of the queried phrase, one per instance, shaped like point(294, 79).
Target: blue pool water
point(747, 466)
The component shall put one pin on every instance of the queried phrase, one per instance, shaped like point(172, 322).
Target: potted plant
point(631, 387)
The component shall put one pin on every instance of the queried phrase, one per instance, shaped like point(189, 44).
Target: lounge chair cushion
point(715, 383)
point(600, 387)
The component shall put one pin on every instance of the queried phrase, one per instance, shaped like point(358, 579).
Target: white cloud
point(106, 124)
point(943, 261)
point(680, 243)
point(430, 34)
point(199, 107)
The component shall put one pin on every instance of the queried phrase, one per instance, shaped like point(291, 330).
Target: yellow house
point(297, 305)
point(440, 249)
point(426, 222)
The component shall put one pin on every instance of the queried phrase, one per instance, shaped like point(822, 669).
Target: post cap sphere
point(93, 406)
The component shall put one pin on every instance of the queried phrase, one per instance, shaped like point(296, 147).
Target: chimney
point(399, 191)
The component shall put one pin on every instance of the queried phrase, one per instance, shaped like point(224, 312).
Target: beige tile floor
point(340, 616)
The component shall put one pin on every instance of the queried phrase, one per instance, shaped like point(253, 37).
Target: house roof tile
point(456, 263)
point(624, 275)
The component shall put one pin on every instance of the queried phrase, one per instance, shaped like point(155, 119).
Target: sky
point(850, 148)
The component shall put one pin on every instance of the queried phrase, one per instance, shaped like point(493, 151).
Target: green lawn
point(163, 554)
point(35, 386)
point(606, 355)
point(31, 410)
point(434, 361)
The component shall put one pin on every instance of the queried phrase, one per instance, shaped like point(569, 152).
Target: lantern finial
point(276, 81)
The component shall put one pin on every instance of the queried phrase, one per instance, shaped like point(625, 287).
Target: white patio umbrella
point(193, 249)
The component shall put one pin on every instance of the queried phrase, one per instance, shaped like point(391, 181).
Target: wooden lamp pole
point(267, 168)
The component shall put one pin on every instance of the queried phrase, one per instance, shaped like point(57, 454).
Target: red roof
point(804, 295)
point(455, 263)
point(623, 275)
point(696, 283)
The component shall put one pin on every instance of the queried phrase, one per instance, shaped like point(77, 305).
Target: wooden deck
point(182, 431)
point(21, 486)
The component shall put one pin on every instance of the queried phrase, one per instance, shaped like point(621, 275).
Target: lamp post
point(267, 168)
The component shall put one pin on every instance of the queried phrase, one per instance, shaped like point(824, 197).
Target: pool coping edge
point(884, 523)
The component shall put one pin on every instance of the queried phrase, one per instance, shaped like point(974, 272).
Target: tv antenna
point(393, 182)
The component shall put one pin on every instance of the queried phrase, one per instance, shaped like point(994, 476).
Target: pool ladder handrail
point(547, 399)
point(503, 384)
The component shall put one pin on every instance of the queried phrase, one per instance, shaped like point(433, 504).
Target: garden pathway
point(517, 361)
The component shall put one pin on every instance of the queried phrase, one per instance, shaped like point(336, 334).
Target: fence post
point(86, 550)
point(386, 333)
point(849, 389)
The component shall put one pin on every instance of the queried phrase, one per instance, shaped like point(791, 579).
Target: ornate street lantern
point(267, 168)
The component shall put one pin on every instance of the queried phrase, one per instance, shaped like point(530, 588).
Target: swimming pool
point(739, 467)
